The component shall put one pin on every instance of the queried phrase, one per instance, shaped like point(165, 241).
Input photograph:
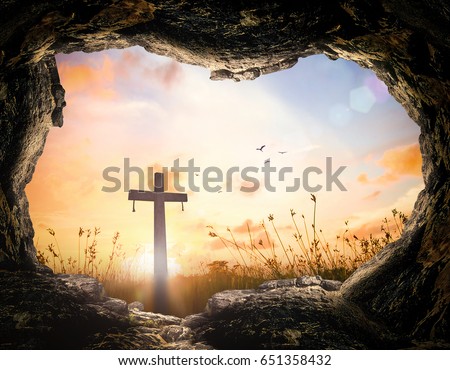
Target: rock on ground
point(289, 318)
point(45, 311)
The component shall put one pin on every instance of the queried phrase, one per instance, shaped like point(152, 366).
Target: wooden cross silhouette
point(159, 197)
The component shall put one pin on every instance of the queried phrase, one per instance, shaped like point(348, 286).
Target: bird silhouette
point(261, 148)
point(267, 161)
point(282, 152)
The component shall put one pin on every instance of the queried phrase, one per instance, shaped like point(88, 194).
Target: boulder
point(290, 318)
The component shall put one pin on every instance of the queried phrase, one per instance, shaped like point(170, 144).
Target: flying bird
point(261, 149)
point(282, 152)
point(267, 161)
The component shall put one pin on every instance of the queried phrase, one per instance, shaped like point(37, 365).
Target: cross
point(159, 197)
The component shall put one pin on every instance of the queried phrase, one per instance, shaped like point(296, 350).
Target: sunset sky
point(153, 110)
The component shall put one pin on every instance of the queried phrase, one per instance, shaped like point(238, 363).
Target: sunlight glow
point(141, 264)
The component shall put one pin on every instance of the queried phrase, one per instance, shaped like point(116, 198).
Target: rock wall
point(31, 101)
point(406, 43)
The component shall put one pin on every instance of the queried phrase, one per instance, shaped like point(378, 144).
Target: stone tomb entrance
point(407, 286)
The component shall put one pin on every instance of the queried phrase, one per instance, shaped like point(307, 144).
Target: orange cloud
point(165, 74)
point(367, 229)
point(258, 238)
point(373, 195)
point(216, 244)
point(169, 73)
point(86, 79)
point(363, 179)
point(100, 79)
point(246, 226)
point(405, 160)
point(397, 162)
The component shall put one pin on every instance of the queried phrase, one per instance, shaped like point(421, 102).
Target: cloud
point(373, 195)
point(216, 244)
point(240, 232)
point(166, 73)
point(369, 221)
point(169, 73)
point(110, 76)
point(367, 229)
point(397, 162)
point(405, 160)
point(246, 226)
point(309, 148)
point(363, 178)
point(95, 81)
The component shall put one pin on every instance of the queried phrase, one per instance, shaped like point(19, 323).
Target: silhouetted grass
point(306, 251)
point(275, 256)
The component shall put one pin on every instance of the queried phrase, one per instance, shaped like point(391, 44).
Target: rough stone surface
point(331, 285)
point(290, 318)
point(116, 305)
point(136, 306)
point(88, 287)
point(176, 333)
point(153, 320)
point(303, 281)
point(405, 43)
point(196, 320)
point(40, 311)
point(46, 311)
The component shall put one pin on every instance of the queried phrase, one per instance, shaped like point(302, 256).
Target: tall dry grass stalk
point(307, 251)
point(274, 256)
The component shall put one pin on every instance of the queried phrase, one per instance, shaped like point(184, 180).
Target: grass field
point(306, 252)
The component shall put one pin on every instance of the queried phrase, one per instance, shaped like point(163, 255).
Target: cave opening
point(406, 288)
point(129, 108)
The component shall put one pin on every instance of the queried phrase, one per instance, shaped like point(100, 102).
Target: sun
point(141, 264)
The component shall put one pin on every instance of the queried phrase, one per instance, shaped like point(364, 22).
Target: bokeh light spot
point(340, 115)
point(362, 99)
